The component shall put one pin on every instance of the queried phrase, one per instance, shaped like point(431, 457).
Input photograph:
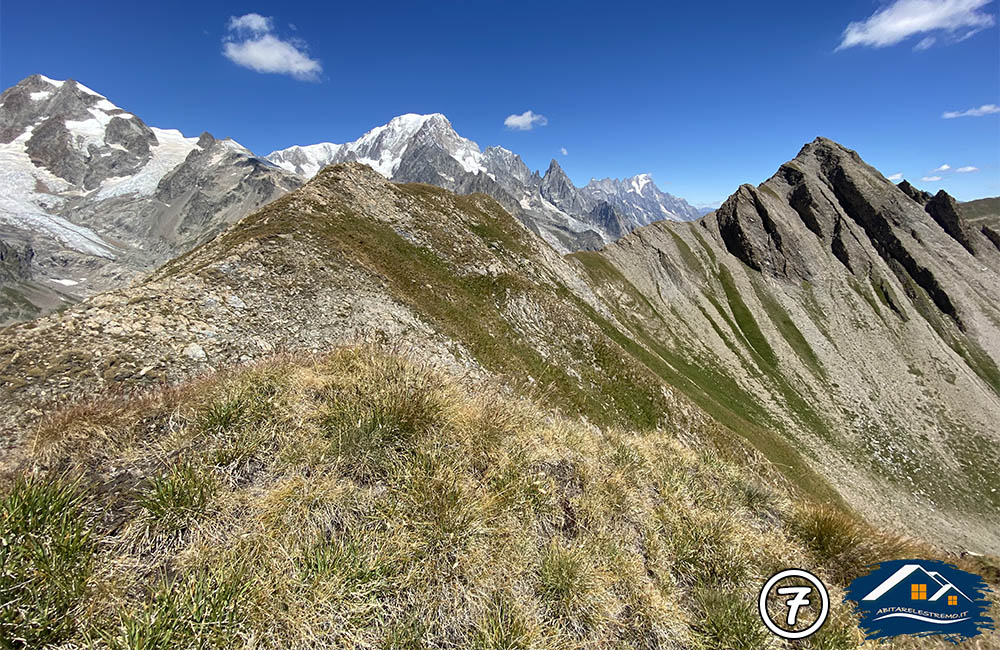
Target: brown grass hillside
point(359, 499)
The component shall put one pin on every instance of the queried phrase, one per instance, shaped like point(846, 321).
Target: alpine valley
point(499, 405)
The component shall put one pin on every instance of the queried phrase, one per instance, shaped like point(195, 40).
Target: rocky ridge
point(867, 320)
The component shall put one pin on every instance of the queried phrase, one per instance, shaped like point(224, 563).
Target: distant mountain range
point(426, 149)
point(90, 196)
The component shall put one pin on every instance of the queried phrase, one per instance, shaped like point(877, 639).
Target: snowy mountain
point(90, 195)
point(426, 149)
point(640, 199)
point(383, 147)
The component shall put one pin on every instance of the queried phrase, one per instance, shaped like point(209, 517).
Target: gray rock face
point(851, 311)
point(508, 168)
point(38, 95)
point(559, 190)
point(609, 220)
point(100, 197)
point(15, 261)
point(751, 234)
point(854, 214)
point(917, 195)
point(944, 210)
point(79, 156)
point(992, 235)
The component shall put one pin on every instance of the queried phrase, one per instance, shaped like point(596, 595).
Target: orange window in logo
point(918, 592)
point(952, 600)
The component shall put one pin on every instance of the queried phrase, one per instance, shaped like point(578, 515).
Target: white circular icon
point(799, 600)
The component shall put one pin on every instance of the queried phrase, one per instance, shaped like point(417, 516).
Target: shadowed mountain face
point(984, 215)
point(825, 316)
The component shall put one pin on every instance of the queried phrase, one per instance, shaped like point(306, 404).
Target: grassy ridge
point(610, 376)
point(359, 500)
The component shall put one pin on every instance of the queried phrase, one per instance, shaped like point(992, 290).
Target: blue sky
point(704, 95)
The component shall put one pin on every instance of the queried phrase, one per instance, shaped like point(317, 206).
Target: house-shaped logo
point(922, 598)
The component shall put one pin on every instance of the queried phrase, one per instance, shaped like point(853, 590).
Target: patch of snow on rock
point(171, 151)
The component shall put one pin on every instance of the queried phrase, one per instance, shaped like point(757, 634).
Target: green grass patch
point(371, 438)
point(842, 543)
point(604, 273)
point(690, 259)
point(730, 621)
point(47, 546)
point(202, 609)
point(745, 321)
point(568, 587)
point(357, 568)
point(789, 331)
point(179, 496)
point(503, 627)
point(704, 245)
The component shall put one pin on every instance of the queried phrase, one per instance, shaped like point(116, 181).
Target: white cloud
point(252, 44)
point(904, 18)
point(943, 168)
point(895, 177)
point(563, 151)
point(924, 44)
point(525, 121)
point(966, 170)
point(985, 109)
point(254, 23)
point(930, 179)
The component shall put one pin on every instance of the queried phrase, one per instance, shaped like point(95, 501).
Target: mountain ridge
point(668, 322)
point(94, 197)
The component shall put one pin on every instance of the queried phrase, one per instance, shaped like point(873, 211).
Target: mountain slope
point(829, 304)
point(92, 196)
point(359, 499)
point(349, 256)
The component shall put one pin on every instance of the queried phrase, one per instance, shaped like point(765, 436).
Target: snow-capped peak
point(639, 182)
point(88, 90)
point(54, 82)
point(383, 147)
